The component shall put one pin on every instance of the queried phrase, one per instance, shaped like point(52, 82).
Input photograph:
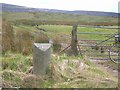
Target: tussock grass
point(56, 44)
point(23, 42)
point(16, 62)
point(65, 72)
point(41, 38)
point(7, 37)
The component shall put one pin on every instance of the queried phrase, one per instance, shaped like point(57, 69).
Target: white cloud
point(94, 5)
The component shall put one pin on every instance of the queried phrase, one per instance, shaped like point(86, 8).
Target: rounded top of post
point(43, 46)
point(116, 36)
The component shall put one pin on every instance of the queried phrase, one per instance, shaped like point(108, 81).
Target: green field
point(55, 18)
point(64, 32)
point(63, 29)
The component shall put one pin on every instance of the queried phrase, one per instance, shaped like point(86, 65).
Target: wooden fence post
point(41, 58)
point(74, 50)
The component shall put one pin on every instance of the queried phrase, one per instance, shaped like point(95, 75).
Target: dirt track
point(108, 66)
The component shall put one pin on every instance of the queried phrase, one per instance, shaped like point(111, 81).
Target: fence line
point(94, 33)
point(94, 51)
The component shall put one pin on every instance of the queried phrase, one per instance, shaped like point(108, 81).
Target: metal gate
point(96, 43)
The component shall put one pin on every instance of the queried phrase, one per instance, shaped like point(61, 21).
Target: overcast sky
point(90, 5)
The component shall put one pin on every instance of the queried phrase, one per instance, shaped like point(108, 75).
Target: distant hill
point(15, 8)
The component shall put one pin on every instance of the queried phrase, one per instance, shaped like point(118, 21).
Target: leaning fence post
point(41, 58)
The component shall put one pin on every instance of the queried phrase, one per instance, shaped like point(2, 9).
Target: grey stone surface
point(41, 58)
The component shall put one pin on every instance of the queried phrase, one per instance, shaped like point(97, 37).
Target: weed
point(62, 57)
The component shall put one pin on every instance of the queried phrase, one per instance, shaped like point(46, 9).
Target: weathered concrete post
point(41, 58)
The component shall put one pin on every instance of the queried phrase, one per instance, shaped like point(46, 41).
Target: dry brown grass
point(56, 44)
point(41, 38)
point(23, 42)
point(7, 37)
